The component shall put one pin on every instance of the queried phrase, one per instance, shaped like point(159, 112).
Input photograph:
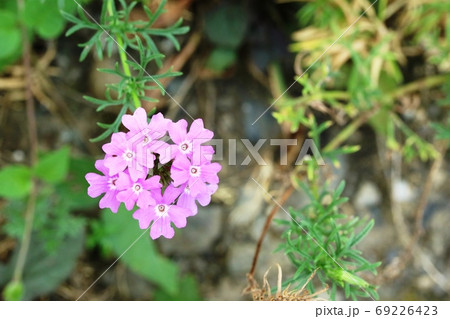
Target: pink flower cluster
point(165, 180)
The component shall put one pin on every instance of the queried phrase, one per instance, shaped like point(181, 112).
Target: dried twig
point(286, 194)
point(265, 292)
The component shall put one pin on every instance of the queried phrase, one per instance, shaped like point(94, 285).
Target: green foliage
point(10, 38)
point(43, 271)
point(187, 291)
point(15, 181)
point(117, 236)
point(442, 130)
point(61, 190)
point(57, 239)
point(221, 58)
point(44, 17)
point(359, 81)
point(116, 29)
point(320, 237)
point(53, 167)
point(40, 17)
point(362, 72)
point(225, 27)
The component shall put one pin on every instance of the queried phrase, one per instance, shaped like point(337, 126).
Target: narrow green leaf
point(363, 233)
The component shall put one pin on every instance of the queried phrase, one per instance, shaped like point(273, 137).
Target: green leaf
point(188, 291)
point(226, 25)
point(339, 190)
point(10, 37)
point(120, 233)
point(44, 272)
point(15, 181)
point(51, 27)
point(44, 17)
point(73, 190)
point(53, 167)
point(221, 58)
point(363, 233)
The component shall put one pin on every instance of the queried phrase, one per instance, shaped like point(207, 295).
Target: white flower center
point(137, 188)
point(194, 171)
point(185, 147)
point(128, 155)
point(161, 210)
point(112, 183)
point(147, 139)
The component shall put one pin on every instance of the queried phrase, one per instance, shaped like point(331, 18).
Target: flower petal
point(98, 184)
point(177, 131)
point(159, 125)
point(144, 216)
point(110, 201)
point(178, 215)
point(179, 176)
point(137, 121)
point(197, 132)
point(128, 197)
point(170, 194)
point(187, 201)
point(209, 173)
point(145, 199)
point(117, 145)
point(116, 164)
point(100, 166)
point(152, 183)
point(162, 227)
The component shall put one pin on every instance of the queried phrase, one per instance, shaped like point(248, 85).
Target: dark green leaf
point(226, 25)
point(43, 272)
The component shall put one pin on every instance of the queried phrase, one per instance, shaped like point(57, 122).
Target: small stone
point(18, 156)
point(367, 195)
point(199, 234)
point(402, 191)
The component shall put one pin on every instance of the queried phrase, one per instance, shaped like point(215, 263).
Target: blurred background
point(237, 59)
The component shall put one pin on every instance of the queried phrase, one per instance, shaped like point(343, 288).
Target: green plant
point(359, 81)
point(225, 27)
point(320, 238)
point(116, 29)
point(57, 235)
point(114, 234)
point(41, 18)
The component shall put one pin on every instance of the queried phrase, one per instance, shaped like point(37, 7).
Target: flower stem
point(32, 132)
point(123, 56)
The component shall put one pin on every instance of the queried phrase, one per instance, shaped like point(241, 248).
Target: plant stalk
point(123, 56)
point(286, 194)
point(32, 133)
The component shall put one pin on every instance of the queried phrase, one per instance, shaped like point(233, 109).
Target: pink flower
point(196, 176)
point(189, 143)
point(145, 137)
point(99, 184)
point(187, 201)
point(122, 155)
point(138, 125)
point(136, 192)
point(162, 213)
point(130, 175)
